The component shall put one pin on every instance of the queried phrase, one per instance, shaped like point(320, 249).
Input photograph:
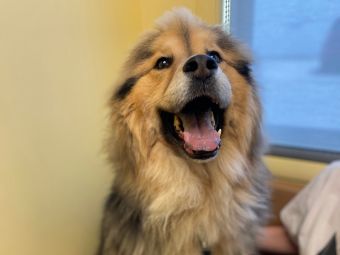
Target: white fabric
point(313, 216)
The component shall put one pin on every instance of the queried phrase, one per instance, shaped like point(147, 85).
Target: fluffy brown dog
point(186, 146)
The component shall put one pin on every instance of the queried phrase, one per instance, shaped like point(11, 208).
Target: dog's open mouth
point(197, 127)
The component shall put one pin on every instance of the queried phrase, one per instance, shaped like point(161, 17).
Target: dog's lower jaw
point(203, 161)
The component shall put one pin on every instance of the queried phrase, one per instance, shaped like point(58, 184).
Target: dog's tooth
point(177, 123)
point(212, 118)
point(219, 132)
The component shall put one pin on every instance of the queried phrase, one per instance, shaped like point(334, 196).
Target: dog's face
point(196, 96)
point(189, 81)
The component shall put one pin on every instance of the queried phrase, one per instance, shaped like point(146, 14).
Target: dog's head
point(188, 85)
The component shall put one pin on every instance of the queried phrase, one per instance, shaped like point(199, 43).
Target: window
point(296, 47)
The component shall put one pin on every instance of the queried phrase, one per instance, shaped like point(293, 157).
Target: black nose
point(200, 67)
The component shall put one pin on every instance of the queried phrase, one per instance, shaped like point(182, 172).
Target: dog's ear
point(124, 89)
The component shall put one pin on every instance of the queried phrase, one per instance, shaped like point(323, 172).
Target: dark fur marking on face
point(243, 68)
point(125, 88)
point(143, 54)
point(186, 37)
point(142, 51)
point(222, 39)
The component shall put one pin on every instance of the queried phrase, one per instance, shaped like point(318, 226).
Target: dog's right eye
point(163, 62)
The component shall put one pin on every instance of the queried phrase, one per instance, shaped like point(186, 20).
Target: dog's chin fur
point(165, 203)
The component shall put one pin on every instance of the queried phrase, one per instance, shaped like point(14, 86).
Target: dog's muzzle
point(196, 124)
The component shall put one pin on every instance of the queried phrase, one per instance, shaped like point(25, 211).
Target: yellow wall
point(58, 59)
point(210, 10)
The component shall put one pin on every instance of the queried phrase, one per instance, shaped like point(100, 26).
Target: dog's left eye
point(215, 56)
point(163, 62)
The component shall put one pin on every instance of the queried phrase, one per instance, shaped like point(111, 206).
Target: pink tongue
point(199, 133)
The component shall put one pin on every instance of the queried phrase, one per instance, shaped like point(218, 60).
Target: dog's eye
point(163, 62)
point(215, 56)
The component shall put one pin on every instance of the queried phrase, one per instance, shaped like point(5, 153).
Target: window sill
point(293, 169)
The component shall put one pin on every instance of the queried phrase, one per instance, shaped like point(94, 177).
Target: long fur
point(163, 203)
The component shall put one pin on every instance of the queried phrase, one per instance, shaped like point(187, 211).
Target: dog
point(186, 144)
